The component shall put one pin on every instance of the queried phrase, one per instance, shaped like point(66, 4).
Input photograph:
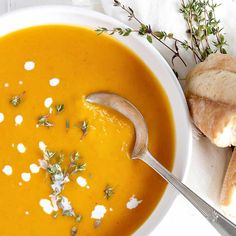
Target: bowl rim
point(12, 21)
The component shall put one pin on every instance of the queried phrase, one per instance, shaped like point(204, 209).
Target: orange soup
point(65, 166)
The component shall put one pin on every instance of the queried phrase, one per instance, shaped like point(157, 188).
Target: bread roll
point(211, 95)
point(216, 120)
point(228, 192)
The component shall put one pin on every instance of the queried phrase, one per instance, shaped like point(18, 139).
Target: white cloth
point(208, 162)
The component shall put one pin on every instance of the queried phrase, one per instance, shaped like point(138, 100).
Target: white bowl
point(80, 17)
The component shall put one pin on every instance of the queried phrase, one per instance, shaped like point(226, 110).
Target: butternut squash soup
point(65, 166)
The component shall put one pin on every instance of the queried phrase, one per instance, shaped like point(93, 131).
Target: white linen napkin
point(208, 163)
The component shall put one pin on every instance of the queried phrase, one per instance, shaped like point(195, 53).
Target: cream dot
point(18, 120)
point(34, 168)
point(27, 213)
point(29, 65)
point(48, 102)
point(20, 82)
point(1, 117)
point(98, 212)
point(7, 170)
point(46, 205)
point(13, 145)
point(133, 202)
point(42, 146)
point(26, 177)
point(20, 183)
point(21, 148)
point(54, 82)
point(6, 85)
point(81, 181)
point(37, 125)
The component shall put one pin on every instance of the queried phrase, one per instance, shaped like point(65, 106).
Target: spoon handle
point(224, 226)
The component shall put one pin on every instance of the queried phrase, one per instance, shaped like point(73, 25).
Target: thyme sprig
point(84, 128)
point(144, 30)
point(78, 218)
point(74, 166)
point(52, 163)
point(43, 121)
point(16, 100)
point(202, 26)
point(60, 108)
point(67, 125)
point(74, 231)
point(108, 192)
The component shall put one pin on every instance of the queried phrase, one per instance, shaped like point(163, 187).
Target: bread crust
point(214, 61)
point(229, 183)
point(211, 117)
point(215, 78)
point(211, 96)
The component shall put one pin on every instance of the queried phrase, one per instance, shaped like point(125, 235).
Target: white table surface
point(207, 166)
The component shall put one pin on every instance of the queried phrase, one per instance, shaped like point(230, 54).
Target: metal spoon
point(222, 225)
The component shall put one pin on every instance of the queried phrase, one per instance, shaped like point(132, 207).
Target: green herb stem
point(204, 32)
point(108, 192)
point(16, 100)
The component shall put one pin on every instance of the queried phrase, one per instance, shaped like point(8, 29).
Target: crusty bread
point(211, 95)
point(216, 120)
point(228, 192)
point(215, 78)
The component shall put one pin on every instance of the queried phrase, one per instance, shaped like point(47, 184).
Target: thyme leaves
point(53, 164)
point(17, 99)
point(44, 121)
point(203, 28)
point(108, 192)
point(84, 128)
point(60, 108)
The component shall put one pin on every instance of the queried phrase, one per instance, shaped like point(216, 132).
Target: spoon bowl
point(127, 109)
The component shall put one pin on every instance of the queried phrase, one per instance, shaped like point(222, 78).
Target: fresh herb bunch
point(52, 163)
point(203, 28)
point(205, 33)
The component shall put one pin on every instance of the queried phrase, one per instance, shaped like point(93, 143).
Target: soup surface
point(45, 74)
